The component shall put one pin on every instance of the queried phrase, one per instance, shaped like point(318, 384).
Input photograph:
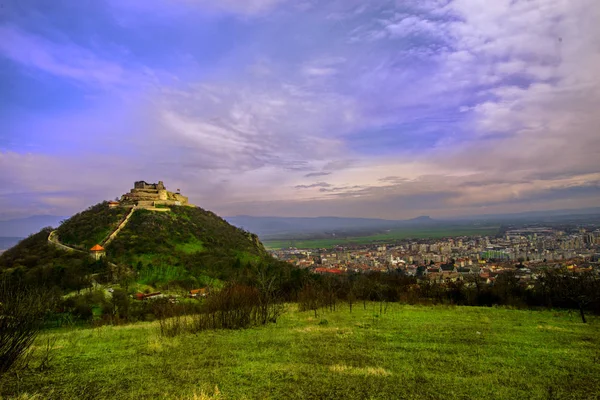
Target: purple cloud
point(409, 108)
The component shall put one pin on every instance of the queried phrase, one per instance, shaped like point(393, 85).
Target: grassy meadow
point(387, 237)
point(412, 352)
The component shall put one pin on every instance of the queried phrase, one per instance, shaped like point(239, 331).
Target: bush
point(234, 307)
point(82, 306)
point(22, 312)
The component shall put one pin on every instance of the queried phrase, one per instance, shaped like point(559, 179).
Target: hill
point(182, 244)
point(39, 263)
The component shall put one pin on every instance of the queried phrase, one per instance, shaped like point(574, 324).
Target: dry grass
point(203, 395)
point(348, 370)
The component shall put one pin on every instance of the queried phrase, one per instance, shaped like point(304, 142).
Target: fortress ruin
point(152, 195)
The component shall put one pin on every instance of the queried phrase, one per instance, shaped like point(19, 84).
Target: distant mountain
point(23, 227)
point(270, 228)
point(264, 226)
point(528, 216)
point(422, 218)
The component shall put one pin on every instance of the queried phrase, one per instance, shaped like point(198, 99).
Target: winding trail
point(53, 240)
point(53, 236)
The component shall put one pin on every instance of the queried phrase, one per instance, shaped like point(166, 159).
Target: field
point(388, 237)
point(415, 352)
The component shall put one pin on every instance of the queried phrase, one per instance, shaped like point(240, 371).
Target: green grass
point(417, 233)
point(162, 260)
point(248, 258)
point(194, 245)
point(412, 352)
point(153, 274)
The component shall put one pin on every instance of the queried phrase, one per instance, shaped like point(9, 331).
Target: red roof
point(97, 248)
point(327, 271)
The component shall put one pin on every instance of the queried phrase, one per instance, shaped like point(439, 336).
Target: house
point(113, 204)
point(448, 268)
point(433, 270)
point(202, 292)
point(97, 252)
point(327, 271)
point(144, 296)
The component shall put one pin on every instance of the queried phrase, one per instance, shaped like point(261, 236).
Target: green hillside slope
point(37, 262)
point(186, 245)
point(186, 239)
point(92, 226)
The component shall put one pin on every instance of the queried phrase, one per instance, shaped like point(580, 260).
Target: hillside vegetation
point(92, 226)
point(411, 352)
point(38, 263)
point(186, 245)
point(187, 241)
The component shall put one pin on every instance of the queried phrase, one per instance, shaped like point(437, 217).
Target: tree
point(580, 289)
point(310, 298)
point(117, 307)
point(266, 280)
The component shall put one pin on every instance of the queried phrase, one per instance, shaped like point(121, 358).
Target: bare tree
point(581, 289)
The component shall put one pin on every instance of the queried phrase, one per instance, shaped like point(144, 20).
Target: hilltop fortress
point(152, 195)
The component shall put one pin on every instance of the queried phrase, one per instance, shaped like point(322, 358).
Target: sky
point(383, 109)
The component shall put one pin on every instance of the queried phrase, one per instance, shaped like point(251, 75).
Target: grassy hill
point(186, 241)
point(186, 245)
point(414, 352)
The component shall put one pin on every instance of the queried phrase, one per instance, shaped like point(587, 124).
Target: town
point(524, 251)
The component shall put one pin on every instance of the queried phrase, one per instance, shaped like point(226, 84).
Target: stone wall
point(152, 186)
point(150, 194)
point(116, 231)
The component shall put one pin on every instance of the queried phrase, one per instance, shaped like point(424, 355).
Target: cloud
point(65, 60)
point(412, 25)
point(323, 67)
point(316, 174)
point(237, 7)
point(408, 108)
point(314, 185)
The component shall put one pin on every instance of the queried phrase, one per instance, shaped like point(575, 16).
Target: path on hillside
point(114, 234)
point(53, 239)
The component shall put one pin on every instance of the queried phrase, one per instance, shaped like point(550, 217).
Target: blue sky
point(387, 109)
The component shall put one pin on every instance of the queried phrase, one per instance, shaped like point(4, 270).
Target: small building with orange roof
point(97, 252)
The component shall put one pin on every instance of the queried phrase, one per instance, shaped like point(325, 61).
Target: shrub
point(234, 307)
point(22, 311)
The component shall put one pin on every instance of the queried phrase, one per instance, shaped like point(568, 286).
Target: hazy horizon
point(391, 109)
point(565, 211)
